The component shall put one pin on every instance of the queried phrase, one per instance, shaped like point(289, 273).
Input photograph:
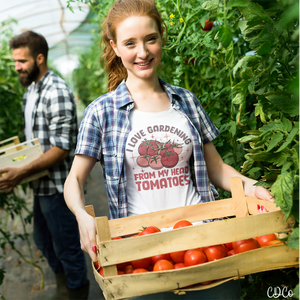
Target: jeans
point(228, 290)
point(56, 235)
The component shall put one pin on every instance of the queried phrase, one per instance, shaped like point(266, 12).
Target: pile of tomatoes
point(190, 257)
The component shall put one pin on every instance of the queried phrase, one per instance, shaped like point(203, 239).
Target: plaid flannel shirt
point(104, 131)
point(54, 123)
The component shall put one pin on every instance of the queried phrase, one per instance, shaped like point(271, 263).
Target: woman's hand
point(87, 230)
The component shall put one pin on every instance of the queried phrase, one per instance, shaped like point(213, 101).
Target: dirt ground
point(21, 279)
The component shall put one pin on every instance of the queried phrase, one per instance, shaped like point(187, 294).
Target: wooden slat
point(168, 217)
point(263, 259)
point(90, 210)
point(237, 191)
point(253, 202)
point(190, 237)
point(103, 234)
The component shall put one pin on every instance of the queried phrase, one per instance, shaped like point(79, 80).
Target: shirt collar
point(42, 80)
point(123, 97)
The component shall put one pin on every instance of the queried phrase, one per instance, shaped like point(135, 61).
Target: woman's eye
point(153, 38)
point(129, 44)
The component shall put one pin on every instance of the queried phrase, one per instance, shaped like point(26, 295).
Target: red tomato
point(264, 239)
point(101, 272)
point(141, 263)
point(208, 25)
point(121, 266)
point(231, 252)
point(228, 246)
point(206, 282)
point(139, 270)
point(117, 238)
point(182, 223)
point(179, 266)
point(178, 257)
point(194, 257)
point(274, 242)
point(160, 257)
point(238, 243)
point(250, 244)
point(215, 252)
point(163, 265)
point(121, 272)
point(128, 269)
point(96, 265)
point(149, 230)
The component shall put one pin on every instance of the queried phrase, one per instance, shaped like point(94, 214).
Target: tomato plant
point(208, 25)
point(194, 257)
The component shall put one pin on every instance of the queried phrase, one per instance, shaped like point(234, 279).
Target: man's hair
point(35, 42)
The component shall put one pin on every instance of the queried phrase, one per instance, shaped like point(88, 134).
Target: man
point(49, 113)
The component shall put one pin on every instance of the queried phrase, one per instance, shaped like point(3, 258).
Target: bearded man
point(49, 114)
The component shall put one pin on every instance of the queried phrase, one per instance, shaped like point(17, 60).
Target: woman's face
point(139, 46)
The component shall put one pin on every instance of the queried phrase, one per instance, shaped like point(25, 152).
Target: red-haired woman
point(153, 140)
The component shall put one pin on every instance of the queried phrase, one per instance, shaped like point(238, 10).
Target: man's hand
point(10, 178)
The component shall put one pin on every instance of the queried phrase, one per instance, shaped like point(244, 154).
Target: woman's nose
point(142, 51)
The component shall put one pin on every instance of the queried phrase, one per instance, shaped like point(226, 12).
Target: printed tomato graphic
point(143, 161)
point(154, 148)
point(167, 146)
point(170, 159)
point(177, 148)
point(144, 146)
point(155, 162)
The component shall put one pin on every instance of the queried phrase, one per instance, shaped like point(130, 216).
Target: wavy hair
point(121, 10)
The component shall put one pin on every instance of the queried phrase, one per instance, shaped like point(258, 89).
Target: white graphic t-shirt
point(157, 156)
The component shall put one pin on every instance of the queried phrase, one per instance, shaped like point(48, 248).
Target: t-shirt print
point(157, 154)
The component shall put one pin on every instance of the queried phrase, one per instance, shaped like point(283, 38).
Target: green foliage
point(11, 92)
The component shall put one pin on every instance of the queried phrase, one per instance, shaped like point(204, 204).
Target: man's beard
point(32, 75)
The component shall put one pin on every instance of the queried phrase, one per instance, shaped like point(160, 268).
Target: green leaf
point(225, 36)
point(296, 292)
point(289, 139)
point(259, 112)
point(211, 5)
point(265, 48)
point(275, 140)
point(293, 241)
point(285, 102)
point(248, 138)
point(282, 190)
point(234, 3)
point(246, 74)
point(2, 271)
point(239, 98)
point(254, 10)
point(248, 60)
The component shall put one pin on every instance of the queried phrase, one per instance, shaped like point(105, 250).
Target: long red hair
point(121, 10)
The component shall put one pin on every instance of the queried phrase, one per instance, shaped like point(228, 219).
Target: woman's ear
point(114, 46)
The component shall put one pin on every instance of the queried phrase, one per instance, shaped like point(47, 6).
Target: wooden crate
point(245, 223)
point(15, 155)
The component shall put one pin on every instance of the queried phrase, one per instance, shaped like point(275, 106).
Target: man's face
point(26, 65)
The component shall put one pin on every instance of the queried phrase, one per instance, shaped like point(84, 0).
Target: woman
point(147, 134)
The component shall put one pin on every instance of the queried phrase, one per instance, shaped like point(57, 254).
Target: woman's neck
point(148, 95)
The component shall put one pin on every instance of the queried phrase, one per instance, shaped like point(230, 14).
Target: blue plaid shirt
point(104, 131)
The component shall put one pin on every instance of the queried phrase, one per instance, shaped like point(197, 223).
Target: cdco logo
point(276, 292)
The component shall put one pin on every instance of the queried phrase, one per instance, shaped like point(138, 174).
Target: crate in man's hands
point(14, 154)
point(240, 221)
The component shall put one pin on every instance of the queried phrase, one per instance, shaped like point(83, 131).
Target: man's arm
point(15, 175)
